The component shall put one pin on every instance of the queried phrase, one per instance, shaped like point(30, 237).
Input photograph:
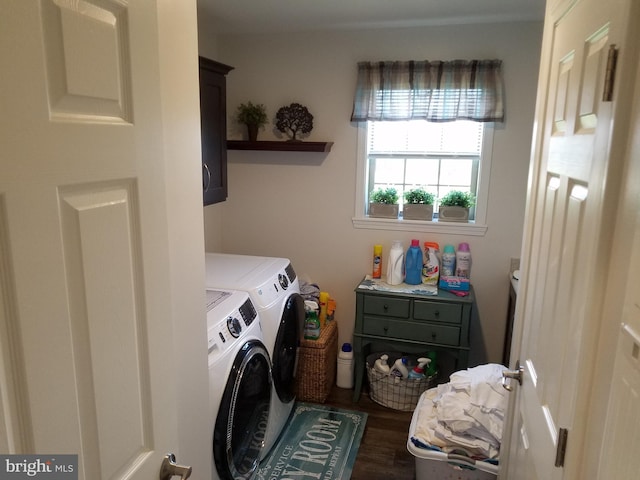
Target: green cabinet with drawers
point(410, 323)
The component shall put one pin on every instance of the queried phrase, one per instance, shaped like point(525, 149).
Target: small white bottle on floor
point(344, 374)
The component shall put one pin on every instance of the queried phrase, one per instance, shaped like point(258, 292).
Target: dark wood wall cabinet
point(213, 122)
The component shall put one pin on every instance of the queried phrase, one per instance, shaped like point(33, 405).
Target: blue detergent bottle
point(413, 264)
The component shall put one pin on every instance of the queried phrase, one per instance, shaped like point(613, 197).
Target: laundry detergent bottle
point(463, 261)
point(413, 264)
point(311, 322)
point(448, 267)
point(395, 264)
point(344, 372)
point(399, 368)
point(431, 266)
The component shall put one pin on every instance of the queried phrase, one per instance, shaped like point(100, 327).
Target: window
point(385, 163)
point(427, 124)
point(438, 157)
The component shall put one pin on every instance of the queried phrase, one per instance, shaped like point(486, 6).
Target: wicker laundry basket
point(317, 365)
point(396, 392)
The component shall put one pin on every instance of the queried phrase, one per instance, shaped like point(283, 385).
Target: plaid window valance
point(435, 91)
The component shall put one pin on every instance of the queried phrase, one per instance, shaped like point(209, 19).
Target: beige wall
point(300, 205)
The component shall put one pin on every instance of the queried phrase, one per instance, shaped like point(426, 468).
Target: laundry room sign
point(318, 443)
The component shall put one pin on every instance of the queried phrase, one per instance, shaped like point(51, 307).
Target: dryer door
point(240, 427)
point(286, 346)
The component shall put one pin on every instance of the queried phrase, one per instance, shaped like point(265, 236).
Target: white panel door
point(103, 350)
point(567, 237)
point(621, 439)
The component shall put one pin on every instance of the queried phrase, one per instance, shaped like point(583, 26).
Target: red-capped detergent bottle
point(431, 266)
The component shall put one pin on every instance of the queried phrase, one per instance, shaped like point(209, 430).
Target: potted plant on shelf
point(383, 203)
point(455, 205)
point(418, 204)
point(253, 116)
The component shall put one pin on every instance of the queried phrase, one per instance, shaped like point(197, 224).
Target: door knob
point(170, 468)
point(512, 374)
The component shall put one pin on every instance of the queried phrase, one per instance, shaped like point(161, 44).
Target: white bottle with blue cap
point(399, 368)
point(344, 377)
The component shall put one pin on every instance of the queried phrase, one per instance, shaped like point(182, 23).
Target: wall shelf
point(279, 146)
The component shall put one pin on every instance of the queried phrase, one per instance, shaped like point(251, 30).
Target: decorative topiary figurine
point(294, 119)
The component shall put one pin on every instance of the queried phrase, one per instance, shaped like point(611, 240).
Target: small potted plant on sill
point(455, 205)
point(418, 204)
point(254, 116)
point(383, 203)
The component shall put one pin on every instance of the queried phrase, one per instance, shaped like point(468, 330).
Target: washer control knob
point(234, 326)
point(284, 281)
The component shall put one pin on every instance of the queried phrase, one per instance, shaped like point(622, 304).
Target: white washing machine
point(240, 385)
point(273, 286)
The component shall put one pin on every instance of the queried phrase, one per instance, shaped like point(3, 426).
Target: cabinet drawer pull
point(386, 330)
point(207, 183)
point(433, 335)
point(385, 307)
point(437, 313)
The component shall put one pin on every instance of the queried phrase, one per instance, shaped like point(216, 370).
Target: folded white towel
point(451, 410)
point(489, 397)
point(427, 421)
point(477, 447)
point(490, 424)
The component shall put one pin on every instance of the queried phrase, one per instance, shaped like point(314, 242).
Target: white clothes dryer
point(273, 286)
point(240, 385)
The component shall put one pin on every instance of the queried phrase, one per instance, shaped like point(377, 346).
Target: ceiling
point(268, 16)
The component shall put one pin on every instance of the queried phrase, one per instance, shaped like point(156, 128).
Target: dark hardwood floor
point(383, 453)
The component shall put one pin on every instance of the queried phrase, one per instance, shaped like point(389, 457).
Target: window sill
point(450, 228)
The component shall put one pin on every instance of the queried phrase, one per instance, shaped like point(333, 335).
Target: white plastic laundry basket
point(431, 464)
